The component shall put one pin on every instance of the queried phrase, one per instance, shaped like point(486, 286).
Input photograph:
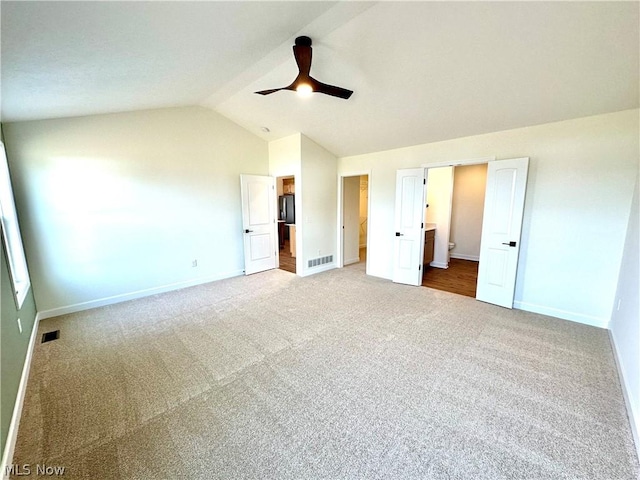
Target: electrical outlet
point(194, 263)
point(20, 326)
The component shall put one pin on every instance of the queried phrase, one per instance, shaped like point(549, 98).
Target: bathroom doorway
point(454, 213)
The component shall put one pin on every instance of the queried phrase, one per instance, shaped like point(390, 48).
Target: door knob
point(248, 231)
point(398, 234)
point(509, 244)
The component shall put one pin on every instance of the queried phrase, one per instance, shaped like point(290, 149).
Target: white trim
point(14, 247)
point(634, 417)
point(462, 256)
point(351, 260)
point(439, 265)
point(313, 270)
point(101, 302)
point(458, 163)
point(12, 435)
point(563, 314)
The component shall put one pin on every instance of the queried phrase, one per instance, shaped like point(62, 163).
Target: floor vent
point(320, 261)
point(49, 336)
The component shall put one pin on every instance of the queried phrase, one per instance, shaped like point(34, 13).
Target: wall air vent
point(316, 262)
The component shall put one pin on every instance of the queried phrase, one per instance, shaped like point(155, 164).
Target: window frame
point(14, 248)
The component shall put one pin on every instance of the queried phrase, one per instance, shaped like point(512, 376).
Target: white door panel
point(501, 227)
point(258, 223)
point(409, 223)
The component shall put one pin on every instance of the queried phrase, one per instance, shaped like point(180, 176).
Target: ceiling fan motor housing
point(303, 41)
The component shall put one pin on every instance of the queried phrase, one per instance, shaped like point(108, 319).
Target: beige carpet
point(335, 376)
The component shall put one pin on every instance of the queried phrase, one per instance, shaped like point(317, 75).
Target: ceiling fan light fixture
point(304, 84)
point(304, 89)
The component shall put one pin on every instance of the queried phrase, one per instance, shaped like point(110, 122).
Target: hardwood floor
point(287, 262)
point(461, 277)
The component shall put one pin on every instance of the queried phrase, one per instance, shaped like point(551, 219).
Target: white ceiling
point(421, 71)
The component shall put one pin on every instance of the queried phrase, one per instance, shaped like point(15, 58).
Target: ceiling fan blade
point(268, 92)
point(330, 89)
point(273, 90)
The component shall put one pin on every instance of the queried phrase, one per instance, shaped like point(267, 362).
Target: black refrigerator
point(286, 208)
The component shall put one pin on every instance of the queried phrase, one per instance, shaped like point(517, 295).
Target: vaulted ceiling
point(421, 71)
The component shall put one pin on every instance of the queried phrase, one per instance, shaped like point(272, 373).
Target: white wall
point(285, 157)
point(625, 324)
point(469, 185)
point(315, 172)
point(285, 161)
point(319, 206)
point(439, 193)
point(351, 219)
point(576, 210)
point(120, 205)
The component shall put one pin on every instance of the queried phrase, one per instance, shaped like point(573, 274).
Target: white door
point(409, 223)
point(259, 223)
point(501, 226)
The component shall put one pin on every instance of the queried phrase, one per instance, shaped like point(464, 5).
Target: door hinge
point(419, 267)
point(424, 181)
point(422, 225)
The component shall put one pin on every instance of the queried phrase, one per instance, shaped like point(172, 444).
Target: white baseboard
point(101, 302)
point(352, 260)
point(563, 314)
point(10, 445)
point(313, 270)
point(634, 417)
point(439, 264)
point(462, 256)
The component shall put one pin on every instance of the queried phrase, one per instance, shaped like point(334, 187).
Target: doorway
point(455, 205)
point(285, 187)
point(354, 229)
point(503, 212)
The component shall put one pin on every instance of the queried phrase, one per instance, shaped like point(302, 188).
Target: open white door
point(501, 227)
point(258, 223)
point(409, 223)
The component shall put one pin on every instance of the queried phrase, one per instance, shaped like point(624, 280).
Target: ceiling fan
point(305, 83)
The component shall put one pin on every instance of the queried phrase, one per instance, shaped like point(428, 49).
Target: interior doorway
point(454, 214)
point(355, 219)
point(502, 215)
point(286, 213)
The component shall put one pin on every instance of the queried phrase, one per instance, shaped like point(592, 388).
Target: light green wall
point(13, 345)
